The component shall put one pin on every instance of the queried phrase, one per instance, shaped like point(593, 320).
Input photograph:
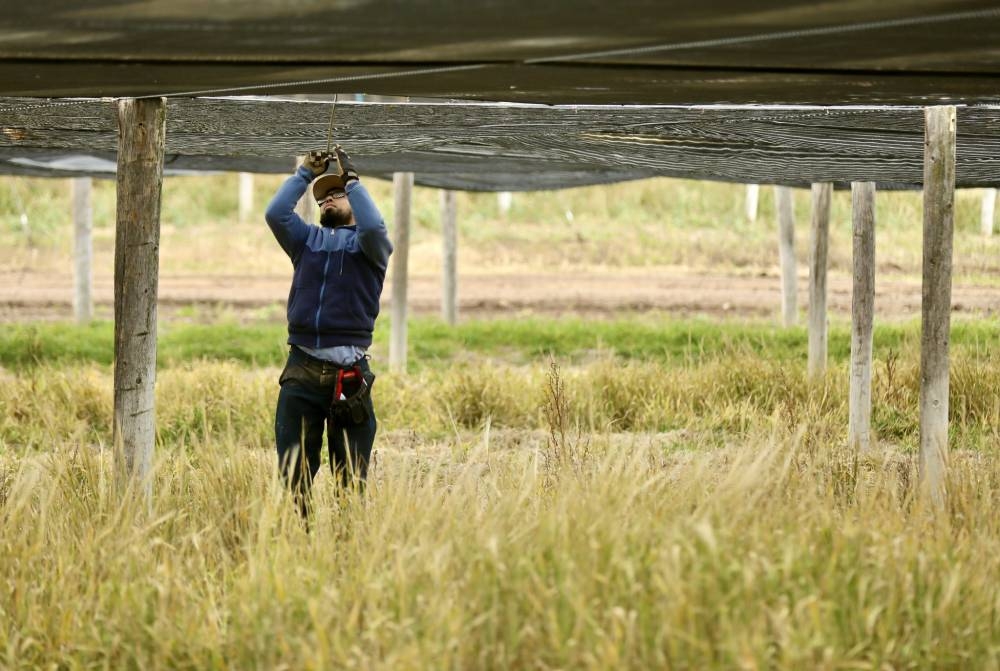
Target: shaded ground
point(26, 295)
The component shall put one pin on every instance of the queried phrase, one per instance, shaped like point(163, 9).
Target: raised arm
point(372, 234)
point(288, 227)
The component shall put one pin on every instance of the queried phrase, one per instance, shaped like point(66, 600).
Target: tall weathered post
point(402, 187)
point(819, 236)
point(141, 136)
point(449, 258)
point(786, 254)
point(939, 222)
point(83, 250)
point(862, 317)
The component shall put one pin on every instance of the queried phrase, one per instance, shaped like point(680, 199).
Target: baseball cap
point(322, 186)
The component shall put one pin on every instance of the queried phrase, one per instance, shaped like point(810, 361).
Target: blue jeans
point(307, 386)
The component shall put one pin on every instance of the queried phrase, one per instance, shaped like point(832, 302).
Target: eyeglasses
point(333, 194)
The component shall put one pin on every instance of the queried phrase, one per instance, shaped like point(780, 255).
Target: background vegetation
point(636, 492)
point(658, 222)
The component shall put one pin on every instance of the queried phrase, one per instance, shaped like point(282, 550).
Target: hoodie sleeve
point(372, 234)
point(286, 225)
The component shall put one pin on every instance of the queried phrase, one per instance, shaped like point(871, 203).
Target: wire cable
point(780, 35)
point(327, 80)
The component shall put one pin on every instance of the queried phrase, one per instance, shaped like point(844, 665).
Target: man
point(339, 268)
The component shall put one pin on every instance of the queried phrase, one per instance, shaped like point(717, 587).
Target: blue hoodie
point(339, 273)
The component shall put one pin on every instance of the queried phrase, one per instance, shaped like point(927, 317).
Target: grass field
point(634, 492)
point(613, 554)
point(689, 507)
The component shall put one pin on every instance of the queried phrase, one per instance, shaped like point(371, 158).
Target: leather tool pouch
point(351, 403)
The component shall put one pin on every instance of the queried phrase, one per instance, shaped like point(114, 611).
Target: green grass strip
point(654, 338)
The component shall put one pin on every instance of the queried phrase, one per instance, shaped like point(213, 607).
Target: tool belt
point(351, 395)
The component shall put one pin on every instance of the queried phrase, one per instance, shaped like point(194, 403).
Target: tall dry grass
point(715, 400)
point(687, 514)
point(603, 554)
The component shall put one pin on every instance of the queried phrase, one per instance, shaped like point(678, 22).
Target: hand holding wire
point(345, 166)
point(317, 162)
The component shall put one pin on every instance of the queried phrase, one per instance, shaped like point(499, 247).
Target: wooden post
point(246, 197)
point(753, 196)
point(402, 188)
point(141, 135)
point(449, 265)
point(786, 254)
point(988, 210)
point(819, 237)
point(862, 317)
point(504, 200)
point(939, 222)
point(83, 250)
point(306, 207)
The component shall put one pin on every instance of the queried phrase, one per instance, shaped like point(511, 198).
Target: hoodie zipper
point(322, 290)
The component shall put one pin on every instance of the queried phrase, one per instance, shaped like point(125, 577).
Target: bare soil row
point(29, 295)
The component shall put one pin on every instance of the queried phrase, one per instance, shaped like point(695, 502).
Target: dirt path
point(33, 295)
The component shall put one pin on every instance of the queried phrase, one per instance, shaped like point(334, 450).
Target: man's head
point(334, 207)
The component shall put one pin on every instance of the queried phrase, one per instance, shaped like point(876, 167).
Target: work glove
point(316, 162)
point(344, 165)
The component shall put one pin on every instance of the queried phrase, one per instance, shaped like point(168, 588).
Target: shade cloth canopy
point(556, 51)
point(485, 146)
